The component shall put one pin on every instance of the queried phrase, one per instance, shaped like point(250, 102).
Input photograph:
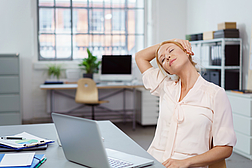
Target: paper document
point(26, 141)
point(17, 159)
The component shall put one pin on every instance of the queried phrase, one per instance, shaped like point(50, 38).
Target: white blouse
point(186, 128)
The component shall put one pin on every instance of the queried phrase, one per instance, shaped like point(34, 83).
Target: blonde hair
point(180, 46)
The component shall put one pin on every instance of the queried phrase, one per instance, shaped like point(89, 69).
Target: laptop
point(82, 143)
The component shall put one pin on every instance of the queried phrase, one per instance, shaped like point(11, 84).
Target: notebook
point(82, 143)
point(37, 161)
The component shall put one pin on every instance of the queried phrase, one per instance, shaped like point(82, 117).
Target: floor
point(144, 135)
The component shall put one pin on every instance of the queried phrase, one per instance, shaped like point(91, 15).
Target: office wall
point(18, 34)
point(168, 20)
point(205, 15)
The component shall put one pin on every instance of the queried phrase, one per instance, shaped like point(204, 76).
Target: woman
point(193, 113)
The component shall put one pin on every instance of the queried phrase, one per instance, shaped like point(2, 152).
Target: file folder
point(27, 141)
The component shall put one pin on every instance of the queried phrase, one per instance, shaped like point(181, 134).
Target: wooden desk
point(53, 88)
point(114, 139)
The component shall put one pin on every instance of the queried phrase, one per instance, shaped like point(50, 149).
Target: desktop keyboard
point(115, 163)
point(115, 83)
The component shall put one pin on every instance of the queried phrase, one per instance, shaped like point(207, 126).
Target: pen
point(35, 144)
point(40, 163)
point(12, 138)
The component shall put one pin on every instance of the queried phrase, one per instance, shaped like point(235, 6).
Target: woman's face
point(172, 58)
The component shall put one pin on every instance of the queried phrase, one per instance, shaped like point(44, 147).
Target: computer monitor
point(116, 68)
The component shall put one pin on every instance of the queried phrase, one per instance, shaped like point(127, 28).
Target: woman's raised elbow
point(137, 56)
point(226, 151)
point(229, 151)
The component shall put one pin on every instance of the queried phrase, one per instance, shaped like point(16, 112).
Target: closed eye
point(171, 50)
point(161, 58)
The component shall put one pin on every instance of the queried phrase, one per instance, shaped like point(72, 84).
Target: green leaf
point(54, 70)
point(90, 63)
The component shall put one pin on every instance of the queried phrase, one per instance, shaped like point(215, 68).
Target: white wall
point(168, 20)
point(205, 15)
point(17, 32)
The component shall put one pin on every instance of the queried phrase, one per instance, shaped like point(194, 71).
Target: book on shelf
point(242, 91)
point(23, 141)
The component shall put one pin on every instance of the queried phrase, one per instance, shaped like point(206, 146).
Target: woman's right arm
point(144, 57)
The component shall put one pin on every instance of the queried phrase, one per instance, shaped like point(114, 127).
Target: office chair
point(87, 93)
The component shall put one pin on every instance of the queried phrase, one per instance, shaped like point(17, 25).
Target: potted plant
point(90, 65)
point(54, 70)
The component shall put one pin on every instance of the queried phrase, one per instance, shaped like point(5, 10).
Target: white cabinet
point(242, 116)
point(220, 61)
point(9, 90)
point(147, 113)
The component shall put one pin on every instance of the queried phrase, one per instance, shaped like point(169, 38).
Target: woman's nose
point(167, 56)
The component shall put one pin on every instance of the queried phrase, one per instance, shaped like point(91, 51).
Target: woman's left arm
point(214, 155)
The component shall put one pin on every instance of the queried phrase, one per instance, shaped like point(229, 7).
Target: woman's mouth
point(172, 61)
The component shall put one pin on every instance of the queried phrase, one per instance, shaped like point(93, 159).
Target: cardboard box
point(227, 25)
point(208, 35)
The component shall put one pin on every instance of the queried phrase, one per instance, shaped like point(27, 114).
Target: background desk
point(114, 138)
point(54, 89)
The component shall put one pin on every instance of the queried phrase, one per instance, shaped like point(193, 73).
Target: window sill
point(42, 65)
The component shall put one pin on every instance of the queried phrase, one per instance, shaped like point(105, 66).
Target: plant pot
point(88, 76)
point(53, 77)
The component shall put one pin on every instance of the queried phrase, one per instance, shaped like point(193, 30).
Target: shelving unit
point(9, 90)
point(205, 50)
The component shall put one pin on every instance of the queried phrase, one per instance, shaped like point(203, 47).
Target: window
point(96, 20)
point(118, 20)
point(46, 17)
point(68, 27)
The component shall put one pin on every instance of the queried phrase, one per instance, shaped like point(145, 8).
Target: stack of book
point(226, 33)
point(242, 91)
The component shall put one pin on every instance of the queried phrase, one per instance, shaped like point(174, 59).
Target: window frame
point(90, 32)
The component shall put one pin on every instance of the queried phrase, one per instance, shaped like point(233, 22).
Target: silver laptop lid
point(83, 146)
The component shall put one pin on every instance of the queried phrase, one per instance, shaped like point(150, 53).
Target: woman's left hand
point(173, 163)
point(186, 44)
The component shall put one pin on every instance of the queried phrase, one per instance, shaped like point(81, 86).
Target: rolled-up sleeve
point(223, 129)
point(152, 79)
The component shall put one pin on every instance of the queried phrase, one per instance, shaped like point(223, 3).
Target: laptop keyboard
point(115, 163)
